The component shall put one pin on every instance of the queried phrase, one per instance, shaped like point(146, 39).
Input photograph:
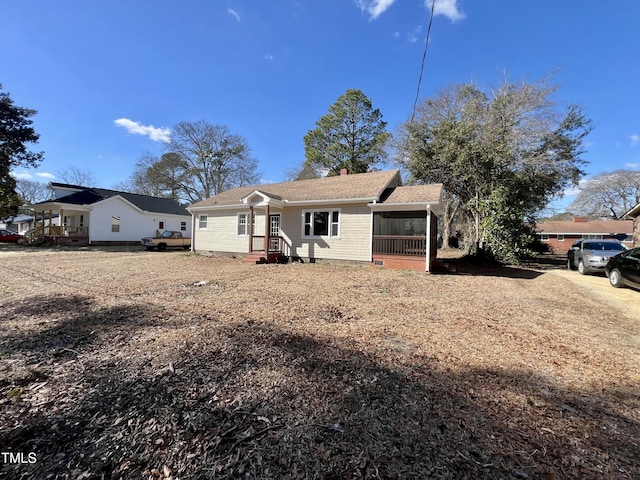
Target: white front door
point(274, 225)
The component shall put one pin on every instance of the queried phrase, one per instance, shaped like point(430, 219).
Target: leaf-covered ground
point(130, 364)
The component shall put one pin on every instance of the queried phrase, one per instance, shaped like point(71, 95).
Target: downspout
point(371, 234)
point(193, 232)
point(428, 239)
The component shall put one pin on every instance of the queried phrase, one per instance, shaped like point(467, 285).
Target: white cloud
point(268, 56)
point(375, 8)
point(448, 8)
point(635, 139)
point(414, 36)
point(21, 175)
point(28, 176)
point(233, 13)
point(162, 134)
point(632, 165)
point(45, 175)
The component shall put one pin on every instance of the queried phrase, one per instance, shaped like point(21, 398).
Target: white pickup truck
point(168, 239)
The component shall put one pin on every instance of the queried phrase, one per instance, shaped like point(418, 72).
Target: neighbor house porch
point(59, 227)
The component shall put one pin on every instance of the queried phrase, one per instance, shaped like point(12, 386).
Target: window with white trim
point(242, 224)
point(544, 237)
point(321, 223)
point(115, 224)
point(183, 226)
point(561, 237)
point(202, 222)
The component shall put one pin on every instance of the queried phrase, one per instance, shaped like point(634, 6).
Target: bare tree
point(305, 171)
point(77, 176)
point(214, 159)
point(31, 192)
point(608, 194)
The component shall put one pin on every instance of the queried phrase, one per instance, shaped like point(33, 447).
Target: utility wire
point(424, 57)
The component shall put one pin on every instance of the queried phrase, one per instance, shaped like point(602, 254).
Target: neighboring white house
point(98, 216)
point(366, 217)
point(21, 224)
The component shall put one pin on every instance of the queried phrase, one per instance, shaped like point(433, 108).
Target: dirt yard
point(132, 364)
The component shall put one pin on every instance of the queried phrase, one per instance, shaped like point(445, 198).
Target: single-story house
point(365, 217)
point(20, 224)
point(559, 235)
point(98, 216)
point(634, 214)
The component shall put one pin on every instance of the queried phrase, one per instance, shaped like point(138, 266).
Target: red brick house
point(560, 235)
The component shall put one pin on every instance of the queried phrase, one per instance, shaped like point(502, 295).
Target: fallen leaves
point(309, 371)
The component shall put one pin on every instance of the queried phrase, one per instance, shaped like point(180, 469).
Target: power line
point(424, 57)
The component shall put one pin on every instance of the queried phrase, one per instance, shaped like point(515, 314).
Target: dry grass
point(117, 364)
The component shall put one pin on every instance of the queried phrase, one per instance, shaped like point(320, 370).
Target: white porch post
point(267, 229)
point(250, 222)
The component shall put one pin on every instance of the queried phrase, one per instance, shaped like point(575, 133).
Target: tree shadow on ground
point(64, 323)
point(530, 269)
point(249, 400)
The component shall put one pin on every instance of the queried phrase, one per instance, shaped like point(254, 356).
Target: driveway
point(626, 300)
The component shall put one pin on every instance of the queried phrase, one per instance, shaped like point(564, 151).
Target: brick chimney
point(579, 219)
point(344, 171)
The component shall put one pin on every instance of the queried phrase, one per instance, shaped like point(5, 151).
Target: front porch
point(57, 235)
point(259, 254)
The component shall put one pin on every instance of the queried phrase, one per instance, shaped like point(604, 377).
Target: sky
point(109, 79)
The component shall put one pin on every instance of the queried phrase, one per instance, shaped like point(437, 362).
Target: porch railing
point(399, 245)
point(275, 244)
point(67, 231)
point(40, 232)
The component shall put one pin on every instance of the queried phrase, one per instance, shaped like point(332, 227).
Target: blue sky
point(110, 78)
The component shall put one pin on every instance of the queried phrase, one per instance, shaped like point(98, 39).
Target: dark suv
point(590, 256)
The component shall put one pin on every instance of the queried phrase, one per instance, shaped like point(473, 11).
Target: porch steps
point(262, 257)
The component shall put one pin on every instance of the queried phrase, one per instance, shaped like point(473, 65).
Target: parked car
point(168, 239)
point(590, 256)
point(624, 269)
point(8, 236)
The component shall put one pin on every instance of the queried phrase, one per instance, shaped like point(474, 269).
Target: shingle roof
point(343, 187)
point(88, 196)
point(416, 194)
point(590, 227)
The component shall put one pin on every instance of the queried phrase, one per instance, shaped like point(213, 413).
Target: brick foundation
point(399, 262)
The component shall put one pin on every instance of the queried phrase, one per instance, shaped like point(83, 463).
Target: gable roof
point(90, 195)
point(596, 227)
point(633, 212)
point(416, 194)
point(358, 186)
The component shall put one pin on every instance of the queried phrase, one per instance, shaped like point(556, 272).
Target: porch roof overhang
point(45, 206)
point(261, 199)
point(405, 207)
point(633, 212)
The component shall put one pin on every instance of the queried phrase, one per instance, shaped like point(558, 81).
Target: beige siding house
point(366, 217)
point(634, 214)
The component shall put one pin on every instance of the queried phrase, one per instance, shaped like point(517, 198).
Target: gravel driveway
point(626, 300)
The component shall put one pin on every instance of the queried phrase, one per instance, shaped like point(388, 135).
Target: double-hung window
point(202, 222)
point(243, 227)
point(321, 223)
